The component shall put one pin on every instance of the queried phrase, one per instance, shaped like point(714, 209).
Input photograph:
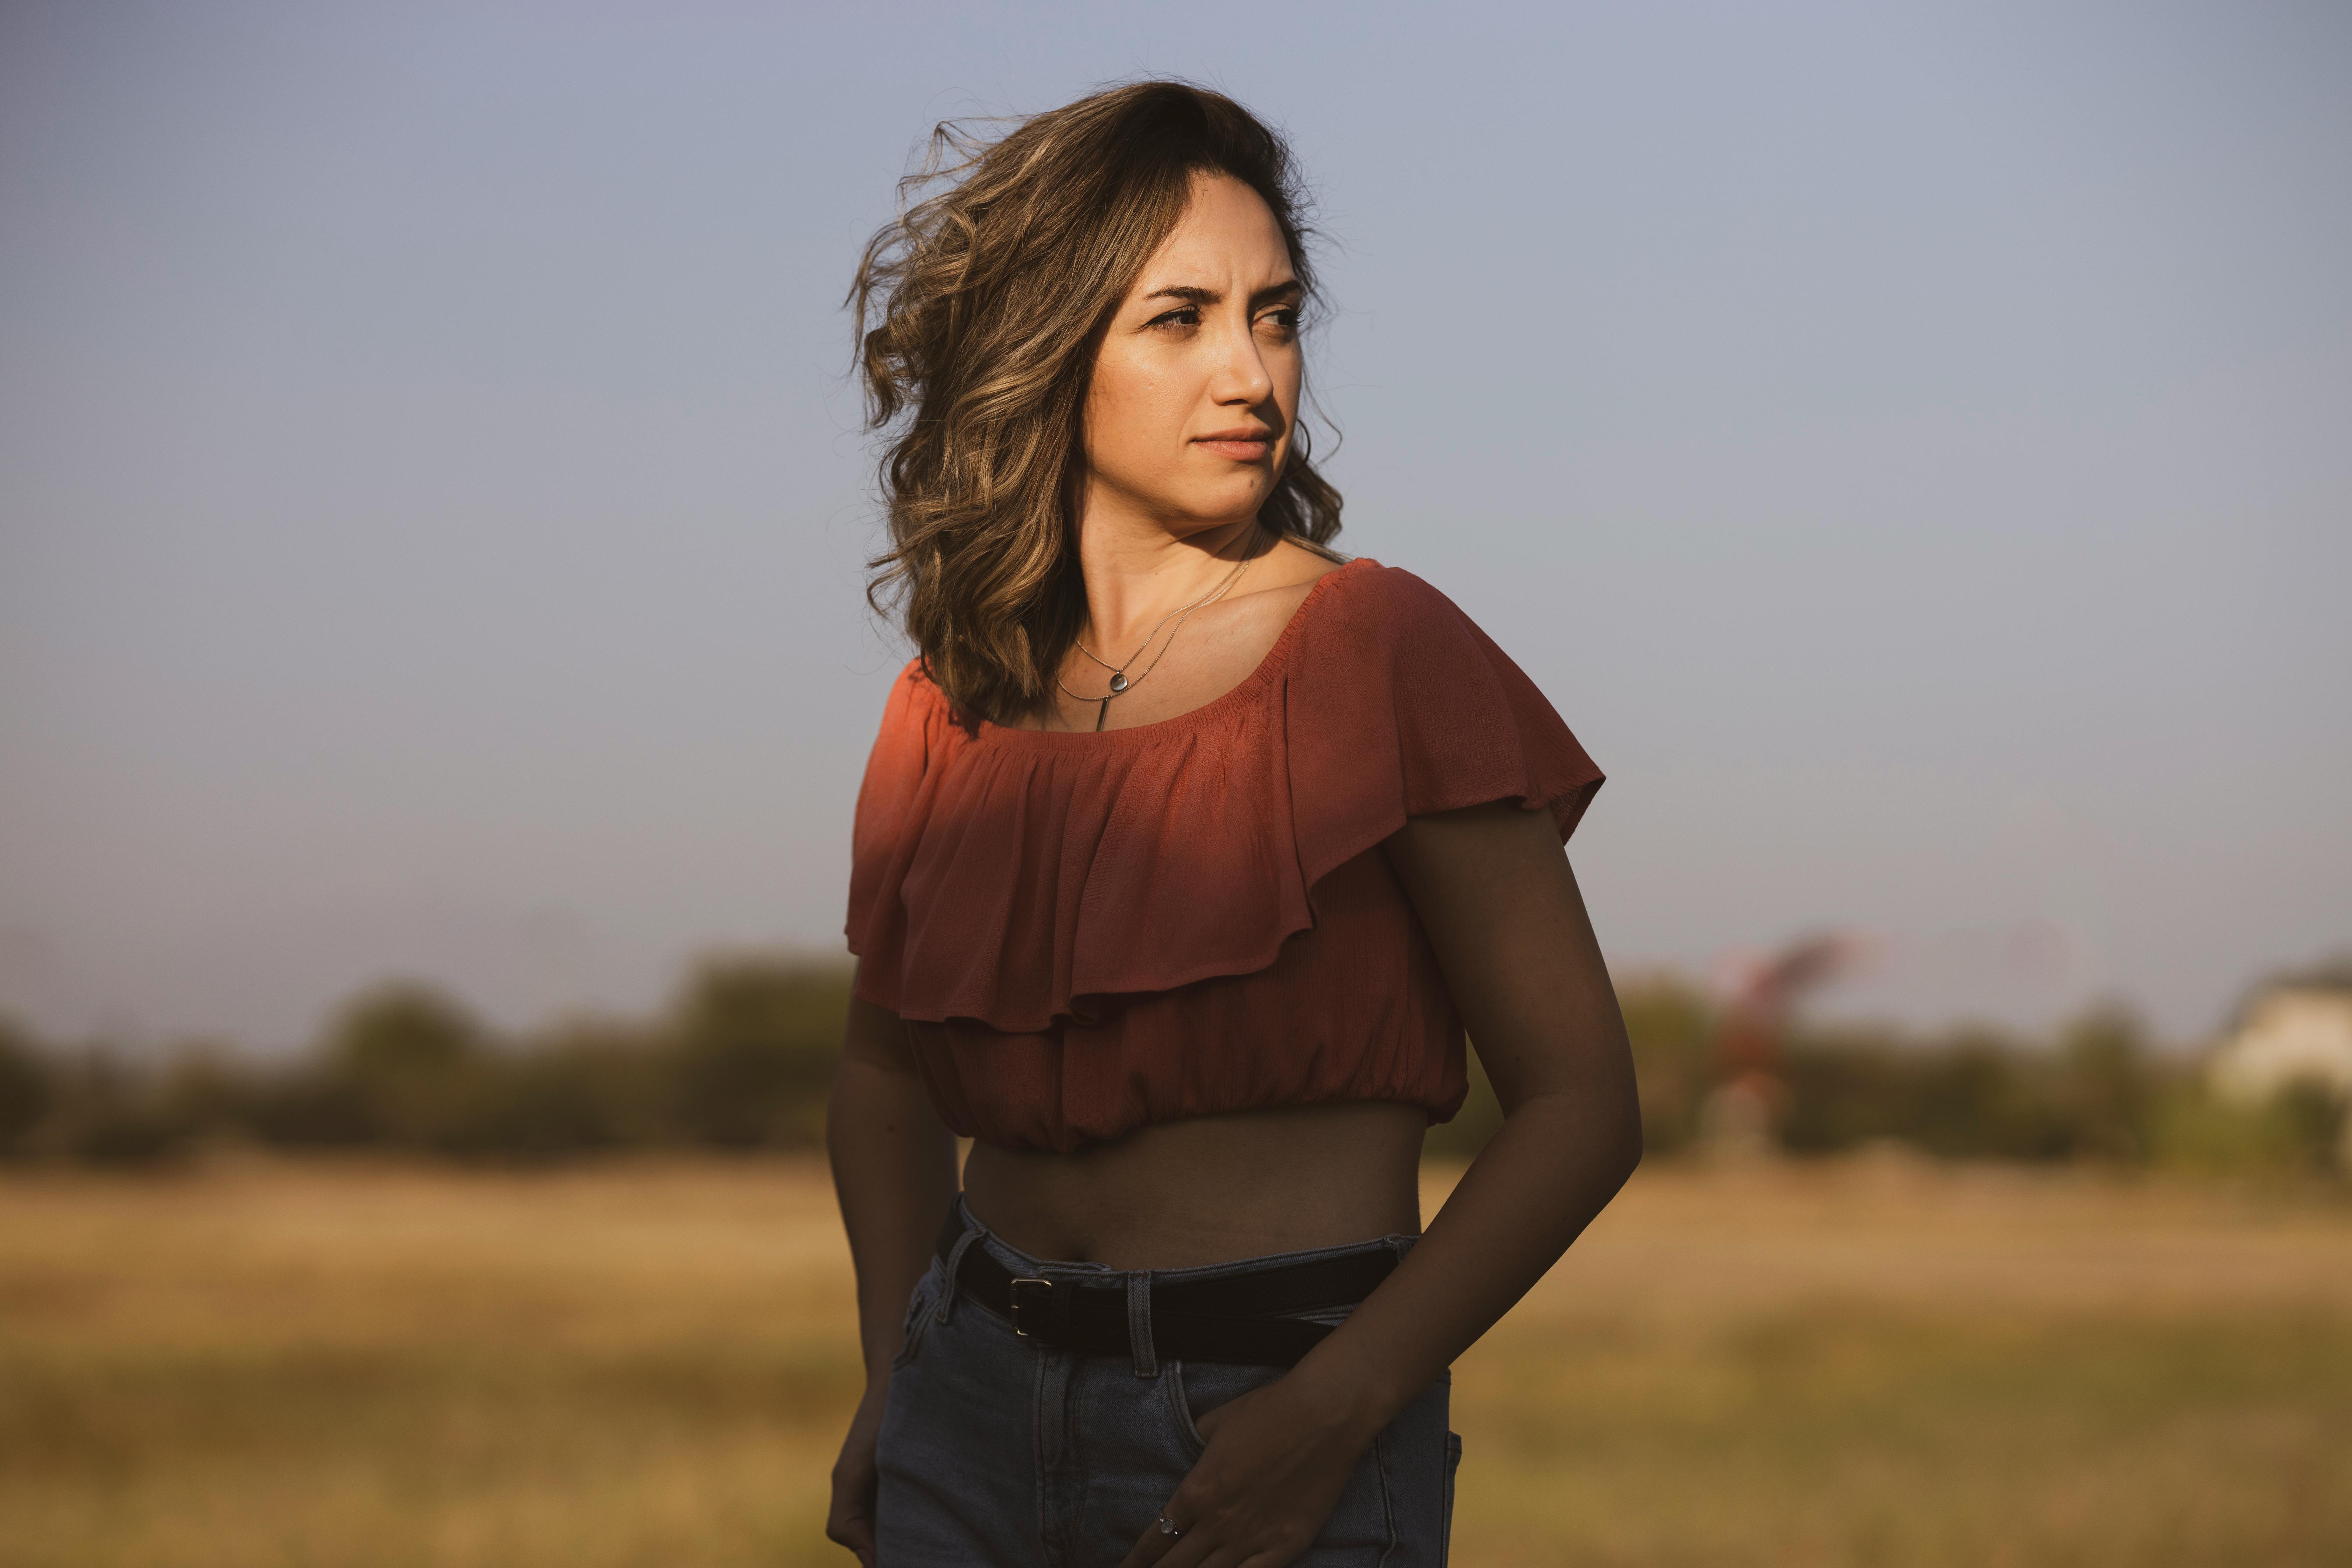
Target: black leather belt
point(1235, 1319)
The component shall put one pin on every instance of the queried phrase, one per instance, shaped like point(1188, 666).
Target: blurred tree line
point(2099, 1091)
point(741, 1060)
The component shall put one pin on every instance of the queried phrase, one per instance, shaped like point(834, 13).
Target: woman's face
point(1195, 390)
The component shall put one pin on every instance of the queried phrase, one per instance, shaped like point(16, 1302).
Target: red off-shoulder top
point(1088, 932)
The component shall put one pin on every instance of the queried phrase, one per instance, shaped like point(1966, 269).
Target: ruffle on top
point(1026, 880)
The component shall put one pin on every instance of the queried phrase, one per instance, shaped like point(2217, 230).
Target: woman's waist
point(1078, 1092)
point(1209, 1190)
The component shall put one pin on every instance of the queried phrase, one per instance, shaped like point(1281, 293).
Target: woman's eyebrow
point(1193, 295)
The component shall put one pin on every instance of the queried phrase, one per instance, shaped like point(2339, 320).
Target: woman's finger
point(1157, 1549)
point(851, 1521)
point(854, 1531)
point(1151, 1548)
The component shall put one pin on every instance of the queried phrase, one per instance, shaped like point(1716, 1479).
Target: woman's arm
point(1495, 892)
point(894, 1172)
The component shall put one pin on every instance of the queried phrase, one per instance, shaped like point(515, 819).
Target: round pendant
point(1117, 682)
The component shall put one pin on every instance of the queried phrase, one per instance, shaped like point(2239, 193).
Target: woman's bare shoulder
point(1289, 568)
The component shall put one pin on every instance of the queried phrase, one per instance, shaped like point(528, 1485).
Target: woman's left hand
point(1276, 1461)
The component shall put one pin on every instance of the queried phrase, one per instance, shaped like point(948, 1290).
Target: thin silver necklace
point(1120, 682)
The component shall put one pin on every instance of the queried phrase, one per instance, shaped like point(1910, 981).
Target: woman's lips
point(1243, 446)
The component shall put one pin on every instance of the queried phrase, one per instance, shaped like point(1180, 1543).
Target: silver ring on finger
point(1168, 1527)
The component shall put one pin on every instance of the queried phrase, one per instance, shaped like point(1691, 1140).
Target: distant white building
point(2296, 1031)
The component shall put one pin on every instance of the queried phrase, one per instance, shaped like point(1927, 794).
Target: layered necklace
point(1121, 683)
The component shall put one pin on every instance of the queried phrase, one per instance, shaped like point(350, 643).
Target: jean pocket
point(910, 1332)
point(1361, 1525)
point(1195, 1388)
point(1445, 1513)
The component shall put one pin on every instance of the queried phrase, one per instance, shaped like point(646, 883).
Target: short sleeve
point(890, 805)
point(1398, 705)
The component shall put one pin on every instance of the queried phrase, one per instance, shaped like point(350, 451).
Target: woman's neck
point(1138, 573)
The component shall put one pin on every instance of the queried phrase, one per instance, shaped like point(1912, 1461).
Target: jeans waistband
point(1020, 1262)
point(1301, 1278)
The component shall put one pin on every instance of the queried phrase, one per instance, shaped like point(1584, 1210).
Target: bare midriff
point(1210, 1189)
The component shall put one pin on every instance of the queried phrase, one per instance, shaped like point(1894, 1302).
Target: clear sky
point(1911, 445)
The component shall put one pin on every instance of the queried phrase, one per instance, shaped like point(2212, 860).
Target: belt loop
point(954, 1268)
point(1138, 1323)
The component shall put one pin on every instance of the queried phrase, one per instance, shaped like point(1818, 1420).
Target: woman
point(1185, 853)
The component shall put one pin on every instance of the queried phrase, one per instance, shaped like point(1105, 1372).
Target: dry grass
point(1870, 1363)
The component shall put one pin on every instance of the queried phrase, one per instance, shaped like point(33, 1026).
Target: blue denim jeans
point(999, 1450)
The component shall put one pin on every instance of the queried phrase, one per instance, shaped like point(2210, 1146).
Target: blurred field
point(1873, 1363)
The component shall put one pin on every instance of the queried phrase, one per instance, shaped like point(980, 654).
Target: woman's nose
point(1242, 376)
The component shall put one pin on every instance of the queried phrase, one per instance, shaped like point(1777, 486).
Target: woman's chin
point(1216, 506)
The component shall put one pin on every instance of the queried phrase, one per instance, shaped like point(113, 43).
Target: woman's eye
point(1182, 315)
point(1284, 320)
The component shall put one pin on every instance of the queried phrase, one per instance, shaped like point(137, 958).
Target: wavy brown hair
point(979, 310)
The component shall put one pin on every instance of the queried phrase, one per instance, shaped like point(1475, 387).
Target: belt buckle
point(1016, 1304)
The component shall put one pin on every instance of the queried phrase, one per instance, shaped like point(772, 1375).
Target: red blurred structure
point(1743, 1113)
